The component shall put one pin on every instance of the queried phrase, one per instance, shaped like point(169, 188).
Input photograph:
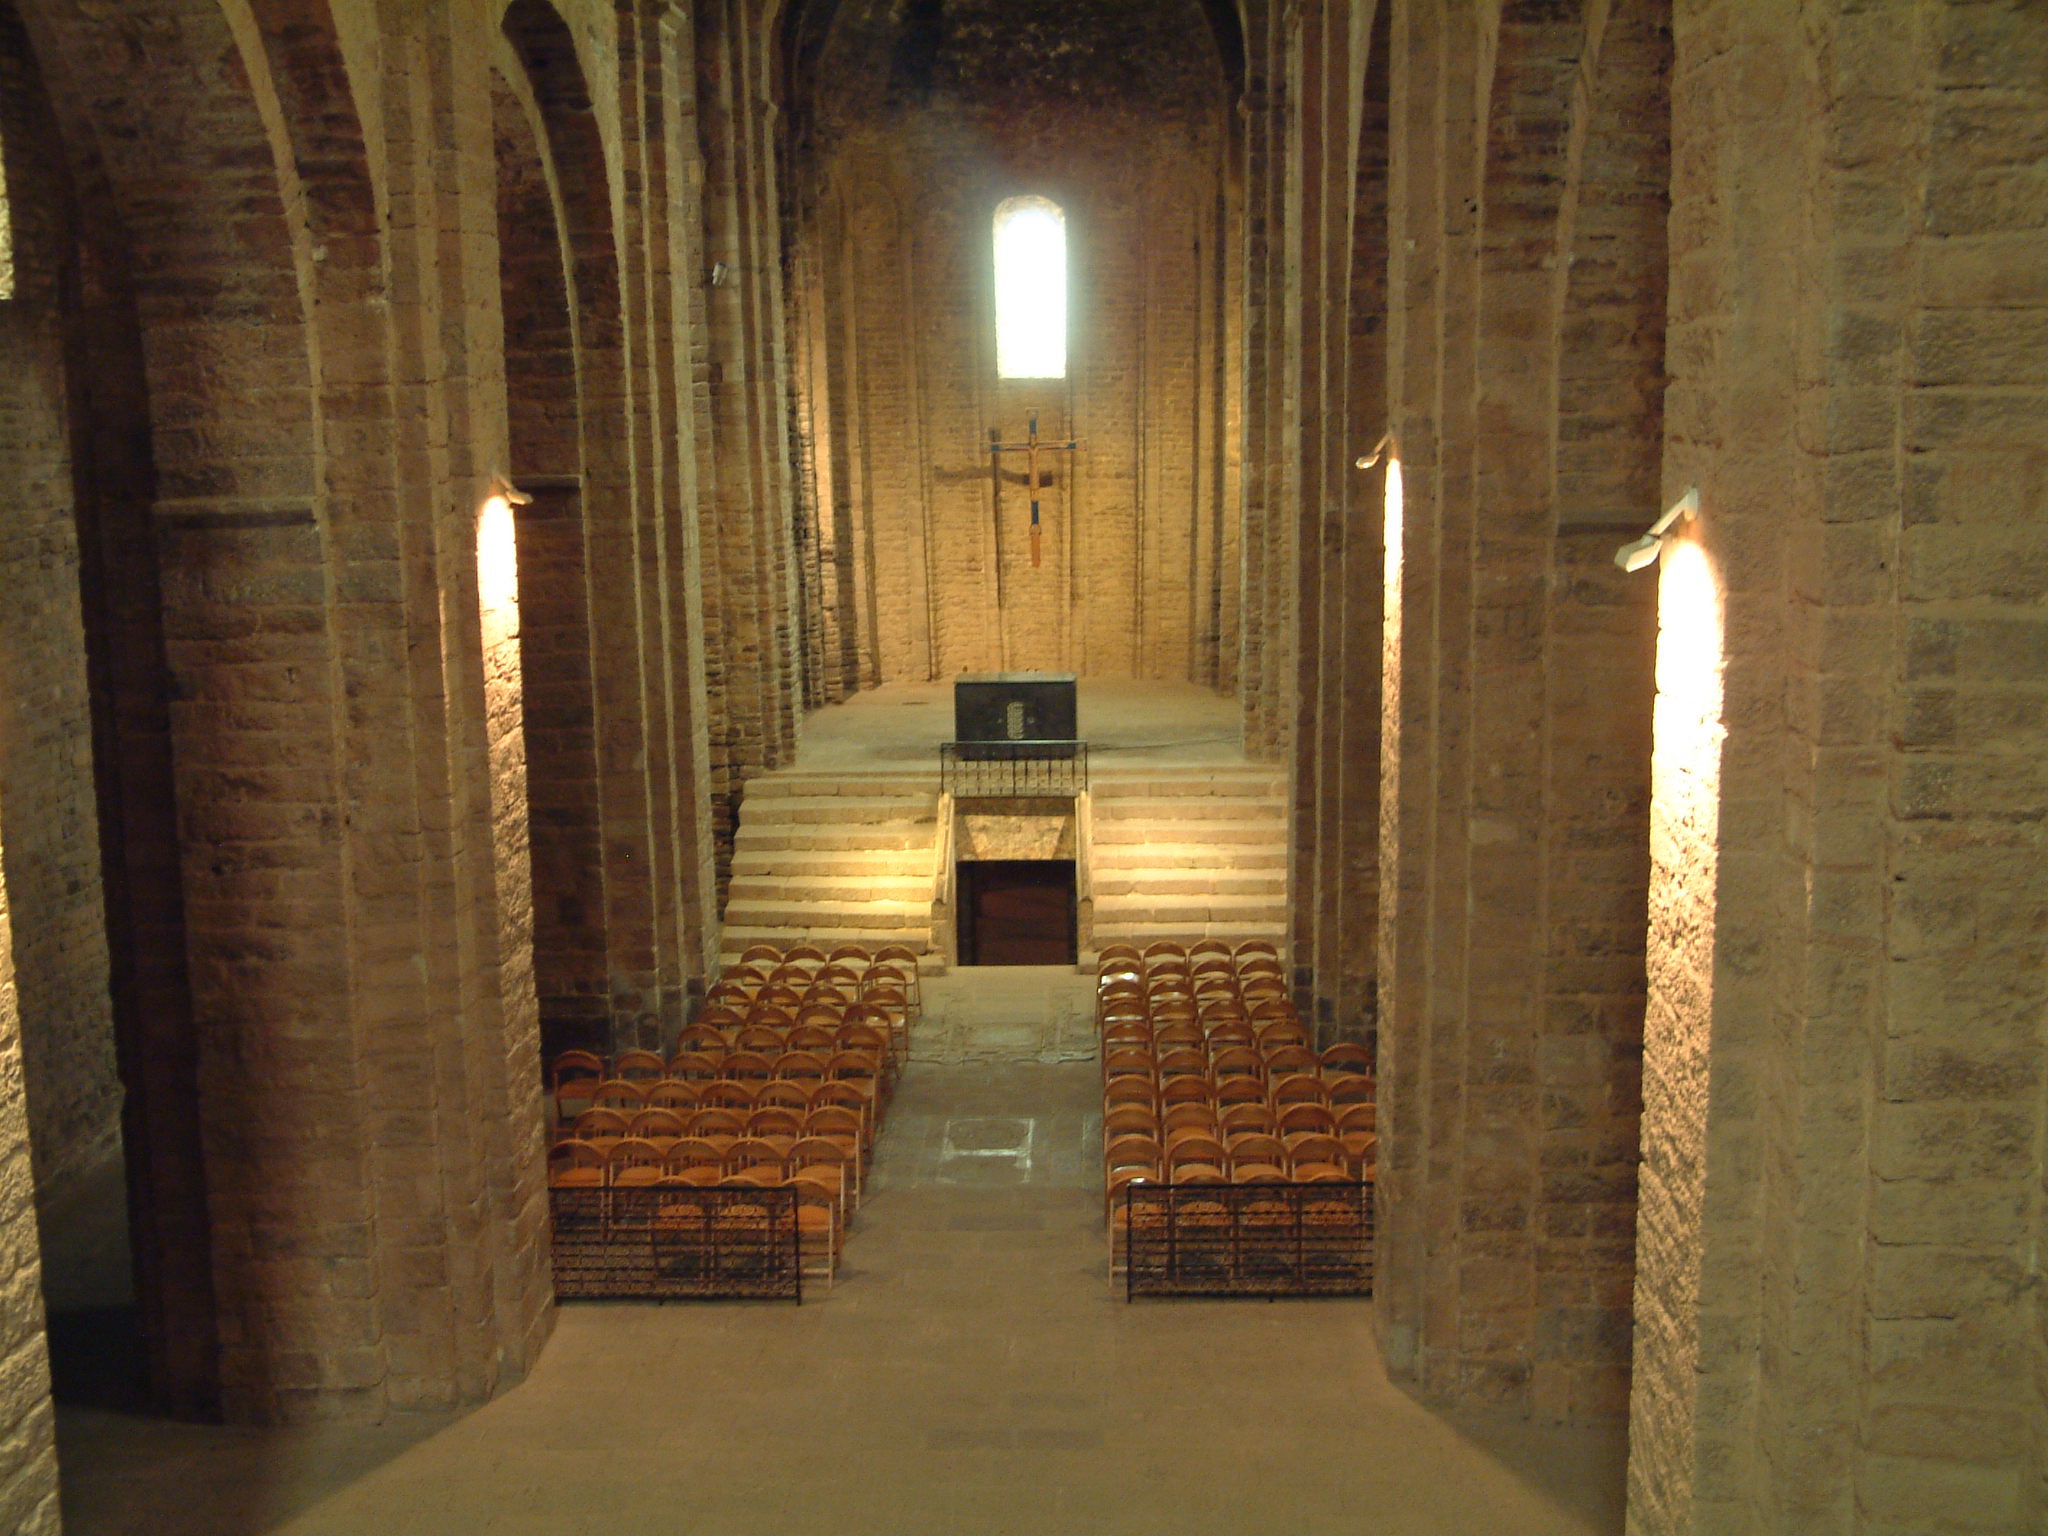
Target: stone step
point(808, 890)
point(1255, 785)
point(1164, 911)
point(820, 837)
point(1267, 853)
point(736, 939)
point(1111, 833)
point(803, 915)
point(1142, 934)
point(787, 809)
point(1231, 808)
point(804, 786)
point(1202, 883)
point(832, 863)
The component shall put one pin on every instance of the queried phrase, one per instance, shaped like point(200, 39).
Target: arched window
point(1031, 289)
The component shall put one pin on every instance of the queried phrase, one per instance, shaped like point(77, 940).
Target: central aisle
point(973, 1374)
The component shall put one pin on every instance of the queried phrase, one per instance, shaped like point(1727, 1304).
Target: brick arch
point(537, 286)
point(186, 122)
point(171, 120)
point(616, 486)
point(544, 409)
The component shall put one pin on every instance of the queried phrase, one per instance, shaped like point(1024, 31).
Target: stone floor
point(972, 1373)
point(991, 1013)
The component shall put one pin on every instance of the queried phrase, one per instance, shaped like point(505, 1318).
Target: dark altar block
point(999, 707)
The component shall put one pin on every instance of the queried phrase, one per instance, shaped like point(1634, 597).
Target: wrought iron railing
point(716, 1243)
point(1266, 1240)
point(1013, 769)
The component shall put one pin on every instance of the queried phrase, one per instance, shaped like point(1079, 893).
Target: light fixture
point(718, 271)
point(501, 485)
point(1379, 451)
point(1644, 551)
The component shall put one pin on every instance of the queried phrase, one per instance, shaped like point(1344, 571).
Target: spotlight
point(1379, 450)
point(501, 485)
point(1635, 555)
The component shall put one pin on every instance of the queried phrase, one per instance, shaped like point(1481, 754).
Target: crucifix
point(1031, 447)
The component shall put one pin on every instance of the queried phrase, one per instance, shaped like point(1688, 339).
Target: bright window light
point(1031, 289)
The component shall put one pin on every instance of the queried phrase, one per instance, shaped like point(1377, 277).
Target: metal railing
point(1013, 769)
point(1262, 1240)
point(718, 1243)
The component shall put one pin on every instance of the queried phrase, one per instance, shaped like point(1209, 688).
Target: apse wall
point(916, 130)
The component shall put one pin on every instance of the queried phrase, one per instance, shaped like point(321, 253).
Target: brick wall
point(52, 859)
point(907, 145)
point(28, 1447)
point(1334, 336)
point(45, 794)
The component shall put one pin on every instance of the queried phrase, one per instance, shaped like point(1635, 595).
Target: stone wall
point(1526, 348)
point(1333, 336)
point(907, 142)
point(1844, 1076)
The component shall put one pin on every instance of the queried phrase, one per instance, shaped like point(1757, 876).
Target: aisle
point(972, 1374)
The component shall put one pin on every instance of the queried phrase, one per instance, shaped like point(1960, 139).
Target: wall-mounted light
point(1379, 451)
point(1644, 551)
point(718, 271)
point(497, 550)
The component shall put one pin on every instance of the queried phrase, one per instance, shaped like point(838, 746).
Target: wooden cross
point(1030, 447)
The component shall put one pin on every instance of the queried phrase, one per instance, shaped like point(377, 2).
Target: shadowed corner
point(130, 1469)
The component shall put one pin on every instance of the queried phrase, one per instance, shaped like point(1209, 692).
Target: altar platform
point(1127, 723)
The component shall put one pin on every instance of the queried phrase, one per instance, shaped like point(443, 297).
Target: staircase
point(1189, 853)
point(833, 858)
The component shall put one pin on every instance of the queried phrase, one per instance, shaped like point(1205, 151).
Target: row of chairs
point(861, 1094)
point(1193, 1022)
point(1248, 1157)
point(696, 1049)
point(704, 1080)
point(812, 960)
point(1167, 954)
point(890, 1014)
point(809, 1167)
point(746, 983)
point(1208, 1008)
point(1260, 999)
point(1257, 972)
point(1278, 1048)
point(1195, 1086)
point(837, 1117)
point(1354, 1125)
point(728, 1139)
point(818, 1140)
